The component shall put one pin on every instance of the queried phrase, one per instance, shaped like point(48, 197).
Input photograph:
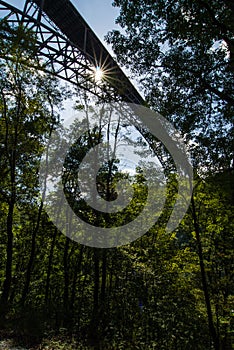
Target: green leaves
point(183, 51)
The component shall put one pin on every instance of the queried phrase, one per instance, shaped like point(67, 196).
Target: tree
point(214, 213)
point(28, 104)
point(184, 53)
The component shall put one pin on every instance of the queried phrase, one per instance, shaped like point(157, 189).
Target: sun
point(98, 74)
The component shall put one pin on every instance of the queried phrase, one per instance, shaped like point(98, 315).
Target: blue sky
point(99, 14)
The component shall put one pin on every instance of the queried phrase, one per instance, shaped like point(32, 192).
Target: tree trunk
point(8, 274)
point(103, 286)
point(213, 332)
point(96, 283)
point(77, 271)
point(11, 155)
point(66, 277)
point(49, 269)
point(32, 257)
point(93, 336)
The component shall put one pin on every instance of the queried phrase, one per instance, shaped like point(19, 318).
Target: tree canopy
point(183, 52)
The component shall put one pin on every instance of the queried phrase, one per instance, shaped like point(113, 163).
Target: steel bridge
point(70, 49)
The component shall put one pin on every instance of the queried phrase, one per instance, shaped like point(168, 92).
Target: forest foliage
point(165, 290)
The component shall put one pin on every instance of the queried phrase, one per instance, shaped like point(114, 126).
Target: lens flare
point(98, 74)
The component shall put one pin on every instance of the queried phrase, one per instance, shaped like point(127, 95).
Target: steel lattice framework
point(70, 49)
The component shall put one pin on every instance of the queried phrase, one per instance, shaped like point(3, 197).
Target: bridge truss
point(70, 49)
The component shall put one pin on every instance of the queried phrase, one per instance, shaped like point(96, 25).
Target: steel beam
point(70, 49)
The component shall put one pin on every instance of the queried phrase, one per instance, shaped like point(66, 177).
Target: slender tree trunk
point(66, 276)
point(32, 257)
point(77, 271)
point(103, 286)
point(93, 336)
point(8, 273)
point(11, 155)
point(51, 254)
point(81, 301)
point(96, 283)
point(110, 281)
point(212, 329)
point(49, 269)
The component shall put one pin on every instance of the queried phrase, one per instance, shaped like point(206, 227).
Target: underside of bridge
point(70, 49)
